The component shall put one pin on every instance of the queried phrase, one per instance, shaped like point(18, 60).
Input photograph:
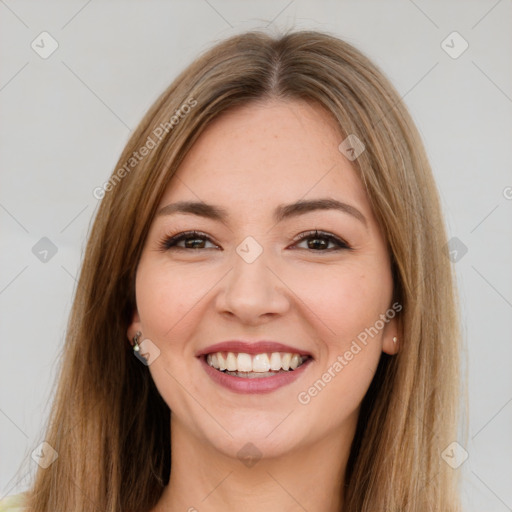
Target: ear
point(390, 331)
point(134, 326)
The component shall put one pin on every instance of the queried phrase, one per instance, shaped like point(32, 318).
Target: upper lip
point(257, 347)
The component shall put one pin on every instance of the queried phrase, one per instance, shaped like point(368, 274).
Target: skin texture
point(249, 161)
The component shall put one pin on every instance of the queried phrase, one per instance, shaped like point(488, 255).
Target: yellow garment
point(13, 503)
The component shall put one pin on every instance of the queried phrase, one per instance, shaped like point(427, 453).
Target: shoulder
point(13, 503)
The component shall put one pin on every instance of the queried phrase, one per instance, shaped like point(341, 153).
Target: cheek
point(337, 392)
point(169, 297)
point(164, 296)
point(347, 300)
point(349, 304)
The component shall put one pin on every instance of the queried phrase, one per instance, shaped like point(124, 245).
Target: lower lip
point(256, 385)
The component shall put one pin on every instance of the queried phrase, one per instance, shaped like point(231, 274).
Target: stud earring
point(136, 346)
point(395, 339)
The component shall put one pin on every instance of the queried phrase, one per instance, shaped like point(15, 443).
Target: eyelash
point(169, 242)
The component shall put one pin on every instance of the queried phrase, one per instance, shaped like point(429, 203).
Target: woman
point(272, 246)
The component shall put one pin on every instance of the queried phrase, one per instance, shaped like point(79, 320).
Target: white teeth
point(231, 363)
point(244, 363)
point(275, 361)
point(258, 363)
point(294, 362)
point(221, 360)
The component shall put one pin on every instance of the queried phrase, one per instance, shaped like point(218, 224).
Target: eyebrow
point(282, 212)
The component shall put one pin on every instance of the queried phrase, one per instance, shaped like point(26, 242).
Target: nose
point(252, 292)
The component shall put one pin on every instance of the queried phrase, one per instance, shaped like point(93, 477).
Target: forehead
point(268, 153)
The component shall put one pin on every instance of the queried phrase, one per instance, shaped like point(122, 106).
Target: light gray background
point(65, 120)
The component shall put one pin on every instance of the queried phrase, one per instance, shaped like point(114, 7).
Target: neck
point(207, 480)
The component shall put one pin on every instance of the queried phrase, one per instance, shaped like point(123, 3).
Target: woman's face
point(247, 276)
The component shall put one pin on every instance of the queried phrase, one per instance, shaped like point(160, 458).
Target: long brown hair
point(108, 423)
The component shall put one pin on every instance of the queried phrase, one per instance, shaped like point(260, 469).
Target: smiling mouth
point(255, 366)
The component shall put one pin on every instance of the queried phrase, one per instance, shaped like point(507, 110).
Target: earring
point(136, 346)
point(395, 339)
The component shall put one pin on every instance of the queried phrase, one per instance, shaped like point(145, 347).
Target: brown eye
point(318, 241)
point(192, 240)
